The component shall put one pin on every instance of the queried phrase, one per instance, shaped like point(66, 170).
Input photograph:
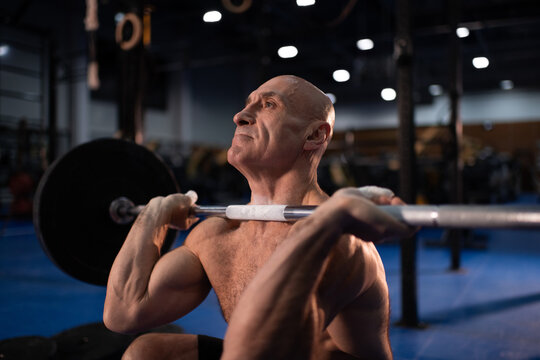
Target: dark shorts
point(210, 348)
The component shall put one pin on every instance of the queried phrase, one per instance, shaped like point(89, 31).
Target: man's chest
point(234, 260)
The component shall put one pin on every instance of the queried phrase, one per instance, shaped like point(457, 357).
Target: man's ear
point(318, 136)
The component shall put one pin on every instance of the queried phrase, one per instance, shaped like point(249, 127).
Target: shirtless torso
point(232, 252)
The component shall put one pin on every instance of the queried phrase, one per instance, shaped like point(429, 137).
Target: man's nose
point(244, 117)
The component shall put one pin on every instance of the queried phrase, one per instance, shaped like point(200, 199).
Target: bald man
point(313, 289)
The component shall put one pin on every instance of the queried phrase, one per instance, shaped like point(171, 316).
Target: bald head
point(306, 100)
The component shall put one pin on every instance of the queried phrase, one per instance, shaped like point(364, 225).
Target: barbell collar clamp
point(123, 211)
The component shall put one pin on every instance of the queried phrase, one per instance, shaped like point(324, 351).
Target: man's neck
point(292, 188)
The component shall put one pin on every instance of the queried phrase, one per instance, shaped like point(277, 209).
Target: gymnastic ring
point(237, 9)
point(137, 31)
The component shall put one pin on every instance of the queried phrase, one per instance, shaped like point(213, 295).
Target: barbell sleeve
point(467, 216)
point(439, 216)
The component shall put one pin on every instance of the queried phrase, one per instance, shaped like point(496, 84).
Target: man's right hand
point(175, 209)
point(360, 216)
point(179, 207)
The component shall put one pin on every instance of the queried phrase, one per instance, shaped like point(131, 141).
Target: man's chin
point(234, 156)
point(240, 158)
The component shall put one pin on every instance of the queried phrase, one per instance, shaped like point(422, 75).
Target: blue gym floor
point(488, 310)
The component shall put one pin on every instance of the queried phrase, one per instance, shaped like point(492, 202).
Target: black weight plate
point(71, 210)
point(91, 342)
point(27, 348)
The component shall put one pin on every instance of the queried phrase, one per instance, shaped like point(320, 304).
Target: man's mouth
point(238, 134)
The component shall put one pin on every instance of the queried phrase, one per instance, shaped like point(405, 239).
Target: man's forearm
point(131, 270)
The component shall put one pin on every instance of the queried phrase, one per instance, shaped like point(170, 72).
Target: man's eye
point(269, 104)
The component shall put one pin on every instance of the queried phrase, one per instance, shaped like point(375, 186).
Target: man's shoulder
point(210, 238)
point(210, 228)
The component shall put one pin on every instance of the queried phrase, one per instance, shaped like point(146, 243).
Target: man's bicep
point(178, 283)
point(176, 270)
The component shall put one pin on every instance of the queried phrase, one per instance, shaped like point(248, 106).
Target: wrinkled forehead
point(284, 87)
point(292, 91)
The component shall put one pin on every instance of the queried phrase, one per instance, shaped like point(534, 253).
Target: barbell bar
point(122, 211)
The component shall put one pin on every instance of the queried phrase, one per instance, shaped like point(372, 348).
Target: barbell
point(90, 193)
point(123, 211)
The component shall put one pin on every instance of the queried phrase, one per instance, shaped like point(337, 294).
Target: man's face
point(270, 131)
